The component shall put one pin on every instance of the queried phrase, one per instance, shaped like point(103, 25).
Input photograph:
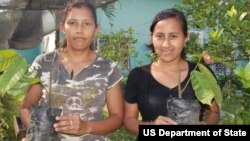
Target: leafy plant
point(236, 106)
point(226, 32)
point(14, 80)
point(244, 75)
point(15, 76)
point(109, 12)
point(226, 28)
point(118, 47)
point(121, 134)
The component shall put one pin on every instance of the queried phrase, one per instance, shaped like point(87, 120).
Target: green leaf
point(231, 12)
point(15, 77)
point(214, 33)
point(220, 32)
point(240, 72)
point(217, 94)
point(13, 74)
point(6, 58)
point(245, 115)
point(201, 87)
point(21, 86)
point(242, 16)
point(6, 53)
point(5, 62)
point(247, 71)
point(205, 86)
point(244, 75)
point(207, 73)
point(35, 80)
point(238, 120)
point(246, 84)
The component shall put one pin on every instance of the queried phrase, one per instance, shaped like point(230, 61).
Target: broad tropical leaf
point(205, 86)
point(6, 62)
point(204, 70)
point(13, 74)
point(201, 87)
point(6, 53)
point(23, 83)
point(217, 94)
point(7, 56)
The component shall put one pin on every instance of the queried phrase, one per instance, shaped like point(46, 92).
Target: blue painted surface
point(30, 54)
point(139, 15)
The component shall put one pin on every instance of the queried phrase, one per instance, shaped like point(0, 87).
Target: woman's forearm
point(102, 127)
point(212, 117)
point(25, 117)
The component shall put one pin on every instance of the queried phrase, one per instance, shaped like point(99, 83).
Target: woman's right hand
point(162, 120)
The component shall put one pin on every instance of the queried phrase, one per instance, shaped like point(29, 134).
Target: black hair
point(78, 4)
point(169, 13)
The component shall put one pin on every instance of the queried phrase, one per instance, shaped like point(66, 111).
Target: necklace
point(179, 83)
point(180, 91)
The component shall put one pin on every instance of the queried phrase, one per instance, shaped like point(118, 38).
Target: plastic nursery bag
point(183, 111)
point(41, 123)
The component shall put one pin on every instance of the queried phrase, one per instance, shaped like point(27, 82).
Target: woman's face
point(79, 28)
point(168, 39)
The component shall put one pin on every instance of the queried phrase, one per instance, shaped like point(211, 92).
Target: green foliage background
point(14, 80)
point(225, 25)
point(119, 46)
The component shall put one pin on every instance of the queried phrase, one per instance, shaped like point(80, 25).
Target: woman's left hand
point(70, 124)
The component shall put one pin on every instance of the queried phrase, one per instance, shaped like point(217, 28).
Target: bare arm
point(212, 114)
point(131, 121)
point(114, 101)
point(32, 97)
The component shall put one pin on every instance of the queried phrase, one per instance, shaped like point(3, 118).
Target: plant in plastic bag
point(183, 111)
point(43, 118)
point(41, 124)
point(206, 88)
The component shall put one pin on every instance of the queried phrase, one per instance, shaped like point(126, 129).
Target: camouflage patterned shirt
point(83, 93)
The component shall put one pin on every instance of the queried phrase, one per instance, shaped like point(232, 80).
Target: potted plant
point(14, 80)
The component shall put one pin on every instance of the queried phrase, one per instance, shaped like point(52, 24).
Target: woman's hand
point(162, 120)
point(207, 58)
point(71, 124)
